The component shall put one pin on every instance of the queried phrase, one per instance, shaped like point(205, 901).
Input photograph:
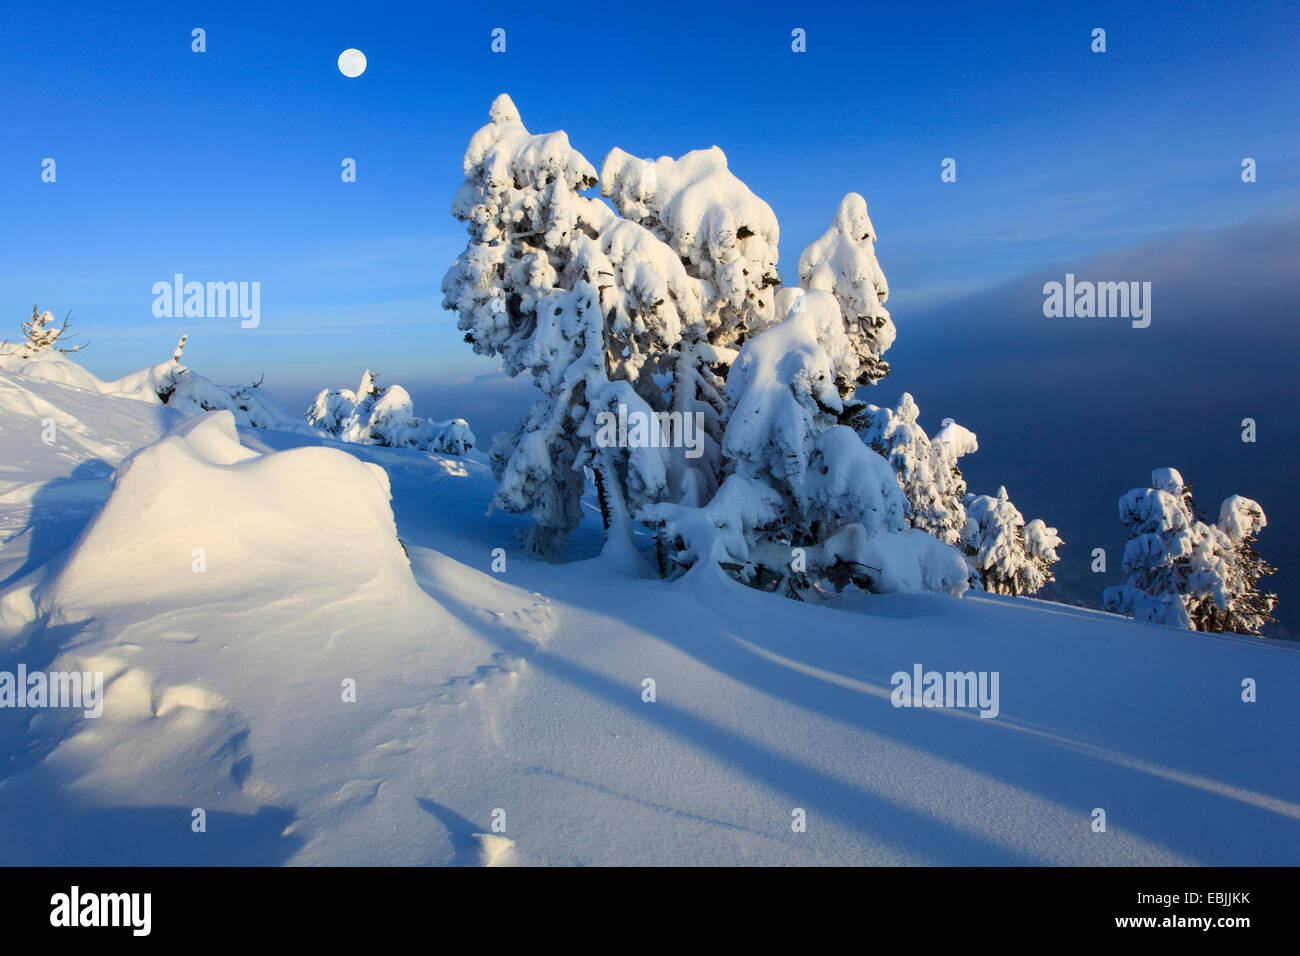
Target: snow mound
point(198, 518)
point(167, 383)
point(57, 368)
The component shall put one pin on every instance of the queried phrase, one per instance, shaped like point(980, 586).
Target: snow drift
point(167, 383)
point(197, 518)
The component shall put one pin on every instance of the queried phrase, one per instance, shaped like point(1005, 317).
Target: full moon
point(352, 63)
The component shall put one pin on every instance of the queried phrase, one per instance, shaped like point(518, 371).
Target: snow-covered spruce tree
point(356, 426)
point(1186, 572)
point(927, 471)
point(331, 408)
point(249, 403)
point(1156, 557)
point(594, 306)
point(1008, 555)
point(1041, 542)
point(540, 467)
point(379, 415)
point(1248, 608)
point(394, 424)
point(804, 501)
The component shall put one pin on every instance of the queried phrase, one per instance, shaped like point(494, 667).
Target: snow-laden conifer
point(1009, 555)
point(1187, 572)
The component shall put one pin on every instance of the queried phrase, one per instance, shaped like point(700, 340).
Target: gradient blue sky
point(1124, 165)
point(225, 165)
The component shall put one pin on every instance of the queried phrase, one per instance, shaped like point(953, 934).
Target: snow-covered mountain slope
point(517, 695)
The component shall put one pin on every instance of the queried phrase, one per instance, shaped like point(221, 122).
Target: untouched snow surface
point(517, 697)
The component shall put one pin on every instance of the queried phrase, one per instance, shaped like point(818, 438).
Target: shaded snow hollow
point(517, 697)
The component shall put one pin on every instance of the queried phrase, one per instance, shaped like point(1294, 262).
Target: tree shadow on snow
point(745, 641)
point(815, 790)
point(1091, 760)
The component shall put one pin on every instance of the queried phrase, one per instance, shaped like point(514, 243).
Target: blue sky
point(224, 165)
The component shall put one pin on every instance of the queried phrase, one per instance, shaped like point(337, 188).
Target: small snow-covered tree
point(1041, 542)
point(927, 471)
point(1186, 572)
point(1247, 608)
point(1163, 527)
point(179, 387)
point(41, 335)
point(165, 377)
point(331, 408)
point(250, 405)
point(357, 426)
point(1006, 555)
point(1010, 556)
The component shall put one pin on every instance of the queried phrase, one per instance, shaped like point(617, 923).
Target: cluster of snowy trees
point(1187, 572)
point(384, 415)
point(1005, 554)
point(670, 304)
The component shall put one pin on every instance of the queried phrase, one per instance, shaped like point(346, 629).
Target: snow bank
point(911, 561)
point(197, 518)
point(167, 383)
point(58, 368)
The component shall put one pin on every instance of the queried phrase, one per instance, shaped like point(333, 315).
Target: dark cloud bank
point(1072, 412)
